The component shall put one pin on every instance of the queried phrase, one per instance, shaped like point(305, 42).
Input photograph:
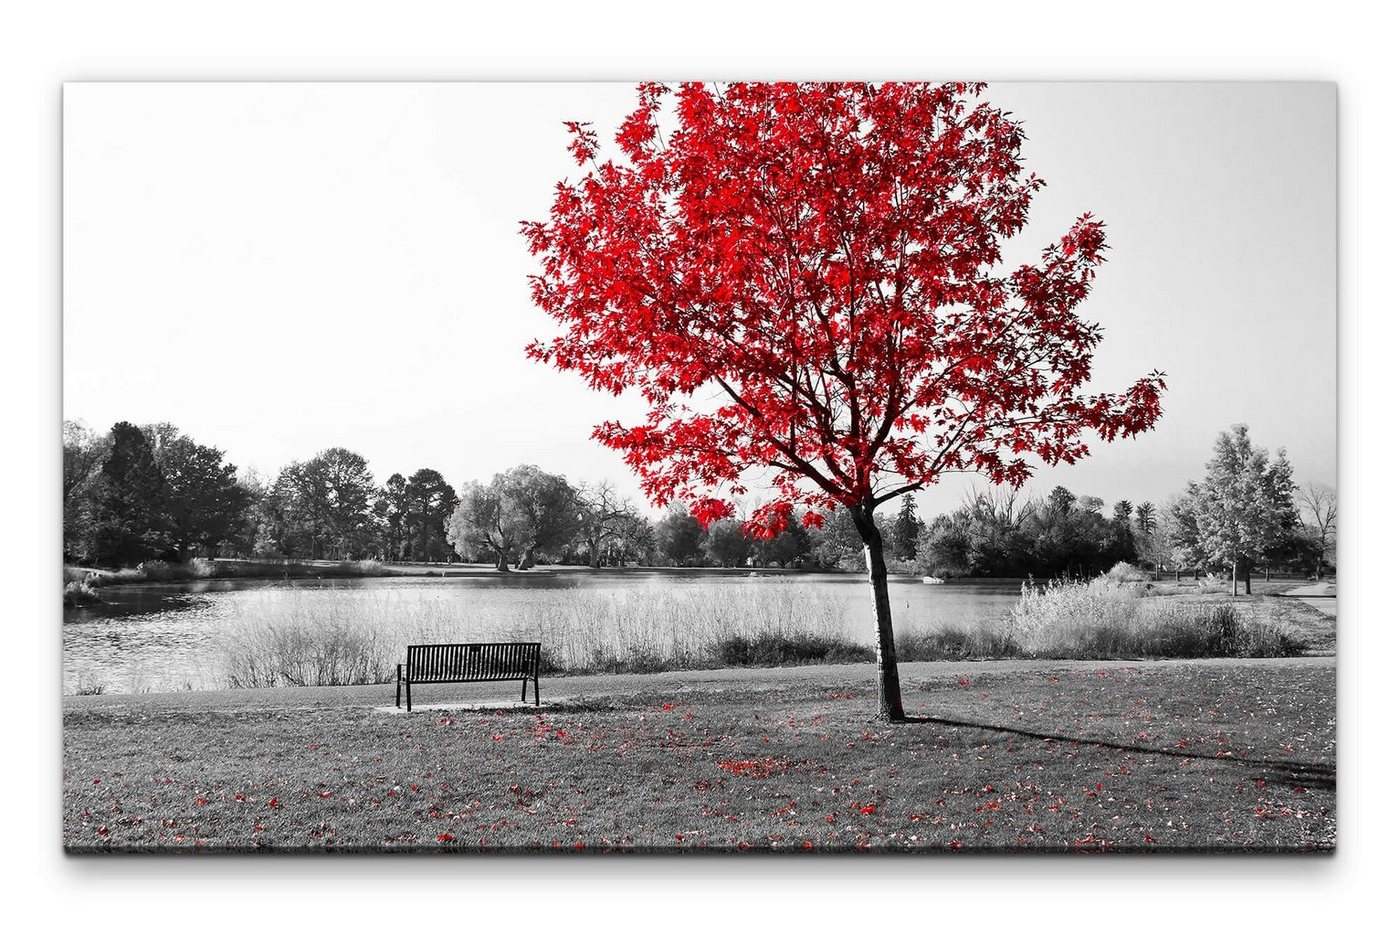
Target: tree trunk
point(502, 563)
point(527, 559)
point(890, 704)
point(594, 551)
point(1235, 578)
point(1247, 570)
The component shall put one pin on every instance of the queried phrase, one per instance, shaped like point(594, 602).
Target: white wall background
point(279, 268)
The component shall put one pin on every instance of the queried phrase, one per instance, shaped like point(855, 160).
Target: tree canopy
point(824, 263)
point(824, 257)
point(132, 525)
point(1242, 510)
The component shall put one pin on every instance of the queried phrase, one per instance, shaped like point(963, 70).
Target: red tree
point(803, 281)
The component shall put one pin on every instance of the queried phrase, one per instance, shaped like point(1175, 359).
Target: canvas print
point(730, 467)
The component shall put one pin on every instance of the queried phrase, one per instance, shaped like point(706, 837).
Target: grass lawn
point(1180, 755)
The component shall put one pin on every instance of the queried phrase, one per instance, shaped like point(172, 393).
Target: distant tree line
point(141, 493)
point(1245, 514)
point(138, 493)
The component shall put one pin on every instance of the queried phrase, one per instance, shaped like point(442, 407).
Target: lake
point(166, 637)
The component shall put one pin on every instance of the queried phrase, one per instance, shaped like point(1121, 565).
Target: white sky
point(280, 268)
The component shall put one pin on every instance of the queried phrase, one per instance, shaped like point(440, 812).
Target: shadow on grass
point(1319, 774)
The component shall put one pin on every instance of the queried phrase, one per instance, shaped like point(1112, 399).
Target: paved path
point(1320, 595)
point(573, 688)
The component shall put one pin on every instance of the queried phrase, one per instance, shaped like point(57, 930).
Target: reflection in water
point(164, 637)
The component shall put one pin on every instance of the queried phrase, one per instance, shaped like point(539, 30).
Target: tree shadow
point(1319, 774)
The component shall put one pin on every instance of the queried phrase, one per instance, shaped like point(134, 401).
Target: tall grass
point(1108, 619)
point(338, 637)
point(345, 636)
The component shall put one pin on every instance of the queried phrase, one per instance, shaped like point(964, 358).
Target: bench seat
point(467, 662)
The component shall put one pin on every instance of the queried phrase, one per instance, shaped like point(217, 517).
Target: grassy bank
point(197, 569)
point(1008, 756)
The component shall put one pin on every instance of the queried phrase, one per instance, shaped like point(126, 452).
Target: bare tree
point(604, 517)
point(1317, 503)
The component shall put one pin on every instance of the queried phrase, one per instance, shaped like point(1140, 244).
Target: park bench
point(470, 662)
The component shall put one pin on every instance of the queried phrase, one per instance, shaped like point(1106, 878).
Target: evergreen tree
point(390, 508)
point(428, 504)
point(1123, 542)
point(905, 544)
point(131, 524)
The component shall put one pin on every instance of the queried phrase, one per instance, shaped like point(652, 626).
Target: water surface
point(164, 637)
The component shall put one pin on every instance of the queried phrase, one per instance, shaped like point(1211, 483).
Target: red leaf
point(776, 349)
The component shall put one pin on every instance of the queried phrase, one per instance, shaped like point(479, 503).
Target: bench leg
point(537, 691)
point(408, 693)
point(398, 683)
point(523, 684)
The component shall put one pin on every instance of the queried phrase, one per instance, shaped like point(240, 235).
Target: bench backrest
point(473, 662)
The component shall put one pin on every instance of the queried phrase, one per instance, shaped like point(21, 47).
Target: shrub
point(1125, 572)
point(633, 660)
point(982, 641)
point(79, 594)
point(898, 566)
point(776, 649)
point(202, 568)
point(156, 570)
